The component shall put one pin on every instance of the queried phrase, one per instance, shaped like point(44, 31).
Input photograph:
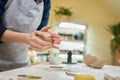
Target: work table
point(48, 73)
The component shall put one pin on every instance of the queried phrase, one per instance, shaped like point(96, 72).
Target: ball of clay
point(89, 59)
point(97, 64)
point(46, 36)
point(119, 61)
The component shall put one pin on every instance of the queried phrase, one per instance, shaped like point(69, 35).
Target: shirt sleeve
point(45, 16)
point(2, 26)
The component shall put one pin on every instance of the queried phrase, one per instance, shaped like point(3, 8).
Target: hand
point(38, 42)
point(56, 39)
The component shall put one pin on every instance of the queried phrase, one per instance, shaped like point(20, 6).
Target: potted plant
point(63, 14)
point(115, 41)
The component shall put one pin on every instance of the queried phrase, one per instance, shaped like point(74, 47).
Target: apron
point(21, 16)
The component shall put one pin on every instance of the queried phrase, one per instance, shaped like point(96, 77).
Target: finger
point(39, 46)
point(37, 49)
point(38, 40)
point(46, 28)
point(41, 49)
point(56, 47)
point(54, 35)
point(44, 35)
point(38, 33)
point(56, 41)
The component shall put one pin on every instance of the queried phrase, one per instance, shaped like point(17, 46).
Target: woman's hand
point(43, 40)
point(37, 41)
point(56, 39)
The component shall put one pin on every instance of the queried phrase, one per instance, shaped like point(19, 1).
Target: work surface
point(48, 73)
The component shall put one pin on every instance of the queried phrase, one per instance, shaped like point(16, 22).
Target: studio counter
point(58, 72)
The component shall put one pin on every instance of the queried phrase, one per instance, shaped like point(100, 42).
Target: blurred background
point(83, 25)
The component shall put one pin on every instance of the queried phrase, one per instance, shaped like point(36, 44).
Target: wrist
point(27, 37)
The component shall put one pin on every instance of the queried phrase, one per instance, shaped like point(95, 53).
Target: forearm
point(38, 40)
point(12, 36)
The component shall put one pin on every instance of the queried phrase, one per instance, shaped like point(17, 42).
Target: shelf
point(67, 36)
point(63, 34)
point(72, 45)
point(73, 36)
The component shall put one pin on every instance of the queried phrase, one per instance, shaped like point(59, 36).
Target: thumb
point(46, 28)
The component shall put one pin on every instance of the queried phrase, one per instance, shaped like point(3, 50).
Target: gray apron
point(22, 16)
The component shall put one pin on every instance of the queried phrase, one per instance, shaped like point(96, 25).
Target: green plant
point(63, 11)
point(114, 29)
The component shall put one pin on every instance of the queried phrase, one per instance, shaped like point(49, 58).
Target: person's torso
point(21, 16)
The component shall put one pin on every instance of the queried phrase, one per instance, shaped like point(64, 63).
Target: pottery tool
point(55, 66)
point(29, 76)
